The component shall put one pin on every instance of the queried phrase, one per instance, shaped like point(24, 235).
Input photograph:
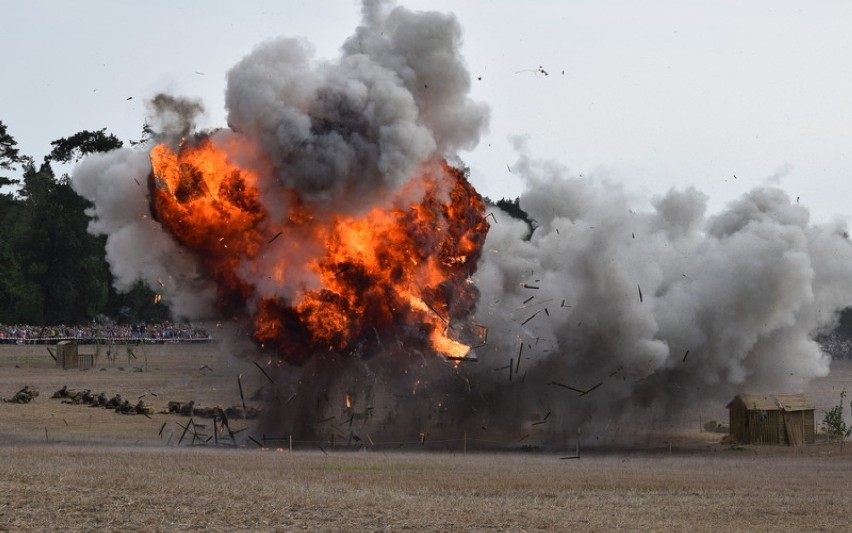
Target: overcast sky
point(650, 94)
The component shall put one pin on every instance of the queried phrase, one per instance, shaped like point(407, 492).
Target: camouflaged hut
point(772, 419)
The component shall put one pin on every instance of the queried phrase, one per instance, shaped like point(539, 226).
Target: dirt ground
point(77, 468)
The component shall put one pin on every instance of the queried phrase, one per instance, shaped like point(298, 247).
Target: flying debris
point(381, 247)
point(530, 318)
point(580, 391)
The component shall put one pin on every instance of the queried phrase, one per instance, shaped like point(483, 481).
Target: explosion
point(328, 221)
point(401, 268)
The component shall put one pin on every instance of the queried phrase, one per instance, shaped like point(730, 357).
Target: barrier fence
point(108, 340)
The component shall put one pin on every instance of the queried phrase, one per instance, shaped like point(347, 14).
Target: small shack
point(772, 419)
point(67, 356)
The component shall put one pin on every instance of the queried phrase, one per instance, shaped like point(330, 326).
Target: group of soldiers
point(86, 397)
point(24, 395)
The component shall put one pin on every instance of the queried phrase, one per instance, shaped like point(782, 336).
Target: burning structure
point(331, 229)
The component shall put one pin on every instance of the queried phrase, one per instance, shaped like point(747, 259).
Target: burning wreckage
point(393, 281)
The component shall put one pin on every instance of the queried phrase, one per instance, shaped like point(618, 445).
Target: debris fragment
point(640, 293)
point(530, 318)
point(264, 372)
point(684, 356)
point(275, 237)
point(240, 383)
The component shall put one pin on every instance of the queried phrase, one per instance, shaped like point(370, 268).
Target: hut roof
point(774, 402)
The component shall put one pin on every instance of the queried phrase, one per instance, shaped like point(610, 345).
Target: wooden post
point(464, 445)
point(291, 443)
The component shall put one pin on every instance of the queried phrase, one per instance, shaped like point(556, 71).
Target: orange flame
point(399, 270)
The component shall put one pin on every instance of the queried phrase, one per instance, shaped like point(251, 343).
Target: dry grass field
point(69, 467)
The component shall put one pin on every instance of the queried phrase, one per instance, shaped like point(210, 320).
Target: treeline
point(52, 271)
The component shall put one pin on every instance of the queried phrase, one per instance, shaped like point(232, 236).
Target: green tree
point(60, 274)
point(9, 155)
point(82, 143)
point(833, 423)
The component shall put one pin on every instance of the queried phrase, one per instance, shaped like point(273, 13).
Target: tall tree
point(82, 143)
point(61, 275)
point(8, 153)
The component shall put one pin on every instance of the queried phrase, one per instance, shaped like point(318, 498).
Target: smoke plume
point(655, 311)
point(600, 314)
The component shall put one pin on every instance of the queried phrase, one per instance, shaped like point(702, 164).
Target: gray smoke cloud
point(649, 309)
point(343, 131)
point(657, 310)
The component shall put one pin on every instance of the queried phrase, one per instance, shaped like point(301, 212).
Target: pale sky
point(650, 94)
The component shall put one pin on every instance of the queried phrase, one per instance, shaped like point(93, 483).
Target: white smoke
point(137, 248)
point(658, 309)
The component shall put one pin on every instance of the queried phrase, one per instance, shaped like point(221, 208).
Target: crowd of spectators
point(152, 333)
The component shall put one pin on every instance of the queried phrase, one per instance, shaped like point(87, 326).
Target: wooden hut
point(772, 419)
point(67, 356)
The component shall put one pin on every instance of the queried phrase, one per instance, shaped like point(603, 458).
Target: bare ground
point(80, 469)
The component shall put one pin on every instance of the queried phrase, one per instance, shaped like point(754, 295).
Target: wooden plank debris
point(185, 429)
point(580, 392)
point(520, 351)
point(530, 318)
point(264, 372)
point(543, 420)
point(684, 356)
point(270, 241)
point(640, 293)
point(240, 384)
point(462, 359)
